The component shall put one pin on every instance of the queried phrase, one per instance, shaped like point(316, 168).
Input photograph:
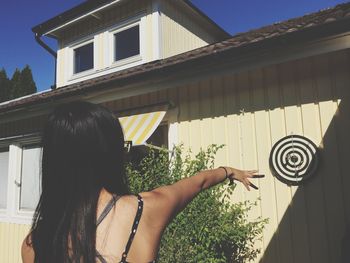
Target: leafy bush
point(210, 228)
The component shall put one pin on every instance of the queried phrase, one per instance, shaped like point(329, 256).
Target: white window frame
point(12, 213)
point(71, 65)
point(104, 40)
point(110, 50)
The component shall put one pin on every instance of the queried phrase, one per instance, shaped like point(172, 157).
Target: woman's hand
point(244, 176)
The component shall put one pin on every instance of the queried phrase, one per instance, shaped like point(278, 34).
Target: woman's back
point(114, 231)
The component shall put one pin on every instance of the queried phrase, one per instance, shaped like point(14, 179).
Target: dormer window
point(127, 43)
point(83, 58)
point(118, 47)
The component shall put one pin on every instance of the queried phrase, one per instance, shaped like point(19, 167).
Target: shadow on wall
point(316, 226)
point(311, 97)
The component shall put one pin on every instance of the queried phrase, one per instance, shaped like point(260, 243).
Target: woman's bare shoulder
point(27, 250)
point(157, 208)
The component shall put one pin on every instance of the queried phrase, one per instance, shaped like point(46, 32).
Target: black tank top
point(105, 212)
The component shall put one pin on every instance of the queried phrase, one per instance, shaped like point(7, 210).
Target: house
point(200, 86)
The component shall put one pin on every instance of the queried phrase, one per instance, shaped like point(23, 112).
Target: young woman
point(86, 213)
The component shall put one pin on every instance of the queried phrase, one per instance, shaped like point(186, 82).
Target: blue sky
point(17, 17)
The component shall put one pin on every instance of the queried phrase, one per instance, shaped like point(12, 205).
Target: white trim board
point(156, 30)
point(81, 17)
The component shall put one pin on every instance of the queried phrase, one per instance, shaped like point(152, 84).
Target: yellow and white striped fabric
point(138, 128)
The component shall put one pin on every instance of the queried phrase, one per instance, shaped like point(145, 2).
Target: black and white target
point(294, 159)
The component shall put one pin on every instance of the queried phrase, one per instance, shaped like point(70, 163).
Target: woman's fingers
point(249, 184)
point(253, 186)
point(243, 176)
point(251, 173)
point(246, 185)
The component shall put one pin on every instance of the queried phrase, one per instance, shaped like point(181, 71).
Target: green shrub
point(210, 229)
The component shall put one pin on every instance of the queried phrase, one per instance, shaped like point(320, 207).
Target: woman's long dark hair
point(83, 152)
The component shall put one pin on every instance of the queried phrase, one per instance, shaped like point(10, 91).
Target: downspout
point(51, 51)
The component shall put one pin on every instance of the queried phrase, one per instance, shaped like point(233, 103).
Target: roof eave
point(162, 72)
point(72, 15)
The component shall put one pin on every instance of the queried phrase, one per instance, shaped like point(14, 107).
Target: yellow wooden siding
point(180, 32)
point(11, 237)
point(22, 126)
point(249, 112)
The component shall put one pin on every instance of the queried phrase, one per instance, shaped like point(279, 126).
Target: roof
point(328, 21)
point(70, 14)
point(91, 5)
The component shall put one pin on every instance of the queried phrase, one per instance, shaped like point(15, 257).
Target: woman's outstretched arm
point(169, 200)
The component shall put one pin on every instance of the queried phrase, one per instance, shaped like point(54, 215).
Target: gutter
point(51, 51)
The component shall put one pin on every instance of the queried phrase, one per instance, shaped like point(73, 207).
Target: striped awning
point(138, 128)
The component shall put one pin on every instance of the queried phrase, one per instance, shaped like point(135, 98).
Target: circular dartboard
point(294, 159)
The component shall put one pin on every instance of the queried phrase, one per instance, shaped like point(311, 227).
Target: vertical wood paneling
point(2, 240)
point(22, 126)
point(195, 123)
point(177, 27)
point(248, 136)
point(340, 68)
point(263, 145)
point(333, 198)
point(293, 123)
point(307, 223)
point(205, 104)
point(233, 129)
point(317, 234)
point(184, 115)
point(283, 235)
point(12, 240)
point(11, 237)
point(218, 122)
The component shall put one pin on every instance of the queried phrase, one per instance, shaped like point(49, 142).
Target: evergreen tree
point(5, 86)
point(16, 84)
point(22, 83)
point(27, 82)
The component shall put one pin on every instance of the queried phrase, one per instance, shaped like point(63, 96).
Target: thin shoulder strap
point(107, 209)
point(134, 228)
point(103, 215)
point(100, 258)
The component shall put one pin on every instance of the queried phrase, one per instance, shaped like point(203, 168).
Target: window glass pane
point(4, 163)
point(31, 160)
point(158, 138)
point(84, 58)
point(127, 43)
